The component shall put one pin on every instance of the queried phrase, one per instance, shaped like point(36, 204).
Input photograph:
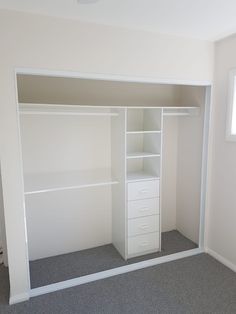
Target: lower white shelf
point(134, 176)
point(141, 155)
point(58, 181)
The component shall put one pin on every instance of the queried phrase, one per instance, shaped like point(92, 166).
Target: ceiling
point(203, 19)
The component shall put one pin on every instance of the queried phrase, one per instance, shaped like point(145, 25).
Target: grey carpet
point(194, 285)
point(68, 266)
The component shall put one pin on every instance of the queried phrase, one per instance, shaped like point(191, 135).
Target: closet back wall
point(38, 42)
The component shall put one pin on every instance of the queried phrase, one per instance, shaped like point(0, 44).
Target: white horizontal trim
point(112, 272)
point(111, 77)
point(221, 259)
point(19, 298)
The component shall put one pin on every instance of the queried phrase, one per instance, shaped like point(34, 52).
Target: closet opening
point(112, 172)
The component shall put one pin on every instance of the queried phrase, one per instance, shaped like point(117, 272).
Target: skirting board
point(19, 298)
point(221, 259)
point(112, 272)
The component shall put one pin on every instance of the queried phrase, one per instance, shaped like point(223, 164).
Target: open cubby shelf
point(143, 132)
point(133, 176)
point(141, 155)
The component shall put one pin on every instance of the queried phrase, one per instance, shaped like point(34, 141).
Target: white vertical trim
point(160, 198)
point(204, 169)
point(230, 106)
point(23, 190)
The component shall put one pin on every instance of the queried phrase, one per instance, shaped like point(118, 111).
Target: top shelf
point(181, 111)
point(79, 110)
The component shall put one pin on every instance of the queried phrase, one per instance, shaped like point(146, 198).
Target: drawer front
point(143, 189)
point(141, 208)
point(143, 225)
point(143, 243)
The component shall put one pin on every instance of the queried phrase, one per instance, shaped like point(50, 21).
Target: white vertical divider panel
point(160, 186)
point(189, 176)
point(118, 168)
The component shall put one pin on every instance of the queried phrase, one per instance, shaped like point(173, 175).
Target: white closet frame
point(204, 172)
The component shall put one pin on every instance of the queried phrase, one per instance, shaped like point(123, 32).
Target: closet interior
point(112, 172)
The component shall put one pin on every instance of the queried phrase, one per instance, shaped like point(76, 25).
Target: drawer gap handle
point(144, 209)
point(143, 191)
point(144, 226)
point(145, 243)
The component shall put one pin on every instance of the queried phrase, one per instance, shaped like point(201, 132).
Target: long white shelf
point(134, 176)
point(141, 155)
point(69, 110)
point(66, 109)
point(59, 181)
point(181, 111)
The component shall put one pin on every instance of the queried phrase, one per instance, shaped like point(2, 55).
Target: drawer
point(143, 225)
point(143, 243)
point(146, 207)
point(143, 189)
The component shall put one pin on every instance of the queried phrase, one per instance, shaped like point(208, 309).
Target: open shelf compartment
point(143, 120)
point(143, 145)
point(142, 169)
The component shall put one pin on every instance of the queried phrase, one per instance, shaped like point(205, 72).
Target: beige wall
point(222, 215)
point(59, 44)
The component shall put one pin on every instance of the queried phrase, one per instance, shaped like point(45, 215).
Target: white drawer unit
point(143, 244)
point(141, 208)
point(143, 189)
point(143, 225)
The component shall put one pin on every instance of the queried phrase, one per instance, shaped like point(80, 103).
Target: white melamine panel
point(189, 165)
point(142, 225)
point(143, 189)
point(143, 244)
point(144, 207)
point(118, 152)
point(68, 221)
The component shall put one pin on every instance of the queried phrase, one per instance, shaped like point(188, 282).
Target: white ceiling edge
point(225, 35)
point(213, 39)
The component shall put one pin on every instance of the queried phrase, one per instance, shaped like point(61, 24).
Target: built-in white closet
point(109, 162)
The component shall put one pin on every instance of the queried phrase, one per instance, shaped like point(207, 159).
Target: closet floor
point(67, 266)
